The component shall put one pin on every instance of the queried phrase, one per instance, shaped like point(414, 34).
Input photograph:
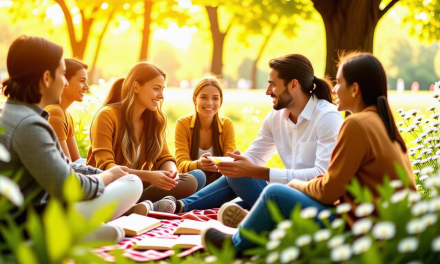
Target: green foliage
point(424, 18)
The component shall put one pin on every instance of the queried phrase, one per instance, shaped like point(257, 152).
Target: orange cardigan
point(105, 144)
point(61, 121)
point(183, 134)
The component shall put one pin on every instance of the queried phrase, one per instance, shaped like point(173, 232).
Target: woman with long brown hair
point(130, 130)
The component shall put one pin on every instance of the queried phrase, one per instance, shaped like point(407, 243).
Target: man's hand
point(206, 164)
point(242, 167)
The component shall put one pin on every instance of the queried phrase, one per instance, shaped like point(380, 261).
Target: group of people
point(129, 162)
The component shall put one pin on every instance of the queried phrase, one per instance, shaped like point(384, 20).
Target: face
point(150, 93)
point(208, 101)
point(278, 91)
point(54, 85)
point(344, 92)
point(77, 86)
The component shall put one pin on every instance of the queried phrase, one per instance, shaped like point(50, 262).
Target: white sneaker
point(112, 234)
point(165, 205)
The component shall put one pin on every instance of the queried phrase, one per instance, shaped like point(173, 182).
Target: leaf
point(252, 236)
point(385, 190)
point(72, 189)
point(275, 212)
point(77, 223)
point(256, 251)
point(57, 231)
point(401, 172)
point(35, 229)
point(228, 252)
point(355, 189)
point(102, 215)
point(367, 195)
point(25, 255)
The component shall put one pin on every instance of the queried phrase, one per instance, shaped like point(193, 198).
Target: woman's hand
point(161, 179)
point(206, 164)
point(113, 174)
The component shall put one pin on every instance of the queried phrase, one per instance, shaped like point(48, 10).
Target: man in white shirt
point(303, 129)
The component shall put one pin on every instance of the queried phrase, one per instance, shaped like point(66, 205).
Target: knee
point(200, 176)
point(187, 185)
point(133, 184)
point(274, 190)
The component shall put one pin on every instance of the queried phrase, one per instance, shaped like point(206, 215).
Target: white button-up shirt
point(304, 147)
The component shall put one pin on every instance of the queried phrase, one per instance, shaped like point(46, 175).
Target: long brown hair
point(209, 80)
point(122, 95)
point(296, 66)
point(367, 71)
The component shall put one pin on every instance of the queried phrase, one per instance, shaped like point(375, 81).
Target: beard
point(284, 99)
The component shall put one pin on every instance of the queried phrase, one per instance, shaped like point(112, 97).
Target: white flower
point(435, 244)
point(414, 262)
point(436, 123)
point(411, 153)
point(438, 152)
point(400, 110)
point(336, 241)
point(435, 94)
point(415, 226)
point(211, 259)
point(4, 154)
point(402, 114)
point(289, 254)
point(384, 230)
point(303, 240)
point(430, 219)
point(362, 226)
point(416, 171)
point(429, 140)
point(423, 161)
point(309, 212)
point(425, 151)
point(337, 223)
point(415, 162)
point(435, 157)
point(435, 116)
point(322, 235)
point(420, 117)
point(423, 135)
point(362, 245)
point(427, 170)
point(272, 244)
point(398, 196)
point(341, 253)
point(437, 86)
point(433, 193)
point(419, 147)
point(430, 129)
point(414, 112)
point(418, 186)
point(401, 129)
point(364, 209)
point(432, 182)
point(10, 190)
point(277, 234)
point(431, 108)
point(324, 214)
point(343, 208)
point(396, 184)
point(253, 258)
point(400, 123)
point(285, 224)
point(434, 204)
point(424, 177)
point(410, 128)
point(414, 197)
point(420, 208)
point(426, 121)
point(272, 257)
point(385, 204)
point(408, 244)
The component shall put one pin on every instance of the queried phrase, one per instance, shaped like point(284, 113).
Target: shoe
point(214, 238)
point(112, 234)
point(143, 208)
point(165, 205)
point(231, 214)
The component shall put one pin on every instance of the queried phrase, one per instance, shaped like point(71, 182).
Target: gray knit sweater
point(33, 146)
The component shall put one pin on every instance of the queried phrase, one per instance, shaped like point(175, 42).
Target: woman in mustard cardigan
point(130, 130)
point(204, 133)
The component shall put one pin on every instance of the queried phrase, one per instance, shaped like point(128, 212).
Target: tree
point(263, 18)
point(424, 19)
point(349, 25)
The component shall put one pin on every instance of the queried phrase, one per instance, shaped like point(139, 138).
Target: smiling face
point(77, 86)
point(208, 101)
point(278, 91)
point(344, 92)
point(150, 93)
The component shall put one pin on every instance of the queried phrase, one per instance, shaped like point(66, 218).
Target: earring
point(353, 95)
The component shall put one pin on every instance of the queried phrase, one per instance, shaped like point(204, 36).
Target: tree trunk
point(260, 53)
point(146, 31)
point(218, 39)
point(92, 72)
point(349, 26)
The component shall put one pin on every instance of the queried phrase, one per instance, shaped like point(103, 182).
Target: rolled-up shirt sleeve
point(38, 152)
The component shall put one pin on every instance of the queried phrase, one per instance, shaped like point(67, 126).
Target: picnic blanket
point(164, 231)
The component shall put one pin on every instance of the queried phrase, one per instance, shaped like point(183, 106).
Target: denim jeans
point(200, 177)
point(224, 190)
point(259, 218)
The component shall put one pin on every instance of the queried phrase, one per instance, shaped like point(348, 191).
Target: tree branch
point(387, 8)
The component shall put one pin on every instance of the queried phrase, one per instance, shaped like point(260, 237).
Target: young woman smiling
point(204, 133)
point(61, 120)
point(130, 130)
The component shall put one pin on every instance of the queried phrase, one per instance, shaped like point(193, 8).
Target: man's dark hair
point(73, 66)
point(296, 66)
point(28, 58)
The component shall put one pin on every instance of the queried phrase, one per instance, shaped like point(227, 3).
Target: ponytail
point(322, 89)
point(114, 95)
point(387, 117)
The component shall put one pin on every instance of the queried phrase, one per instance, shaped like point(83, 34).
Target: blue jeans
point(200, 177)
point(224, 190)
point(259, 218)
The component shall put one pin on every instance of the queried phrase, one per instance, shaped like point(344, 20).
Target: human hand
point(297, 184)
point(240, 167)
point(117, 172)
point(206, 164)
point(162, 179)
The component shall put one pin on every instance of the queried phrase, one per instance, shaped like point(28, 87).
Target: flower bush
point(399, 227)
point(424, 149)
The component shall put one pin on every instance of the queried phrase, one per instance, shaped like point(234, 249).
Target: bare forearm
point(168, 165)
point(259, 172)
